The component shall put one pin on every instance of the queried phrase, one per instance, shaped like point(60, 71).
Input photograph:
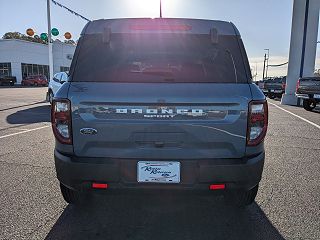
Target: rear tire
point(69, 195)
point(309, 104)
point(241, 198)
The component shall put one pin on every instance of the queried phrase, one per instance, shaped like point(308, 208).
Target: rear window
point(155, 57)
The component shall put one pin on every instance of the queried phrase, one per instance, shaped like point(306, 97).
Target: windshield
point(159, 58)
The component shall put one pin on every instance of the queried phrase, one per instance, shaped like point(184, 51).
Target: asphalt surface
point(287, 205)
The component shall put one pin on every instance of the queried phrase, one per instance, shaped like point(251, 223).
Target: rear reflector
point(99, 185)
point(217, 186)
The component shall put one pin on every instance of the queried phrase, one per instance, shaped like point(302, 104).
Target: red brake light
point(298, 85)
point(61, 120)
point(164, 27)
point(257, 122)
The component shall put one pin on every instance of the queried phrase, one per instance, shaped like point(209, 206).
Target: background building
point(23, 58)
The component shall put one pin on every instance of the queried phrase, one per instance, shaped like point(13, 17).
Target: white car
point(55, 84)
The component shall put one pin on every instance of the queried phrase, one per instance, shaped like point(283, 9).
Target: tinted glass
point(64, 77)
point(57, 77)
point(42, 77)
point(165, 57)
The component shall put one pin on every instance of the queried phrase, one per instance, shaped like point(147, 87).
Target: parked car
point(7, 80)
point(160, 104)
point(260, 84)
point(35, 80)
point(275, 87)
point(308, 89)
point(55, 84)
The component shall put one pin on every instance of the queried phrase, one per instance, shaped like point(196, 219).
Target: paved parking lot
point(287, 205)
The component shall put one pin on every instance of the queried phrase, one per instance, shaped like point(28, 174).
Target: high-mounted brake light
point(61, 120)
point(167, 27)
point(257, 122)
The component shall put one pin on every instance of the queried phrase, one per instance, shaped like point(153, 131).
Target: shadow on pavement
point(20, 86)
point(20, 106)
point(31, 115)
point(154, 217)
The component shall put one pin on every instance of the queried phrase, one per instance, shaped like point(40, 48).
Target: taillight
point(257, 122)
point(61, 120)
point(298, 85)
point(283, 86)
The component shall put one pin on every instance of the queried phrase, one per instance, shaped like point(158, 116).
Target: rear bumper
point(307, 96)
point(79, 173)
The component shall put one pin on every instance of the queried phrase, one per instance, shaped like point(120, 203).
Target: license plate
point(316, 95)
point(158, 172)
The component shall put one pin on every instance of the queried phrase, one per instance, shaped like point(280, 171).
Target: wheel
point(241, 198)
point(35, 84)
point(309, 104)
point(70, 196)
point(50, 97)
point(12, 84)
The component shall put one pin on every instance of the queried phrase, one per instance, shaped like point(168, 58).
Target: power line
point(71, 11)
point(278, 65)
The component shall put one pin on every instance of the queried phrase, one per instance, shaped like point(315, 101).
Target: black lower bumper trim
point(195, 174)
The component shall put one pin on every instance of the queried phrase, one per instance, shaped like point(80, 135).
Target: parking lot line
point(285, 110)
point(25, 131)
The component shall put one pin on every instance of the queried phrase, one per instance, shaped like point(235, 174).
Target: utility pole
point(255, 76)
point(264, 65)
point(49, 41)
point(160, 9)
point(267, 49)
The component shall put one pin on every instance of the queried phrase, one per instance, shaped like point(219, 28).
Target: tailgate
point(309, 86)
point(159, 121)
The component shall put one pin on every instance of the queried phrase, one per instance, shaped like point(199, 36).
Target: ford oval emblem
point(88, 131)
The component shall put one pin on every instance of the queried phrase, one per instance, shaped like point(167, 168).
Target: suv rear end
point(160, 104)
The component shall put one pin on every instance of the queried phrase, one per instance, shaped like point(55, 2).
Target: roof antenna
point(160, 10)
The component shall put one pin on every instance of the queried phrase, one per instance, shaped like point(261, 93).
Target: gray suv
point(160, 104)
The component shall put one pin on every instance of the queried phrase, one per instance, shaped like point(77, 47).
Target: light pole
point(264, 65)
point(255, 75)
point(49, 41)
point(267, 49)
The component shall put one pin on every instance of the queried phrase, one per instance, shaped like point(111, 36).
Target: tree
point(70, 41)
point(17, 35)
point(35, 38)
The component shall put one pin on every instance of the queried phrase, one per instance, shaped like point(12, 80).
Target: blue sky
point(262, 23)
